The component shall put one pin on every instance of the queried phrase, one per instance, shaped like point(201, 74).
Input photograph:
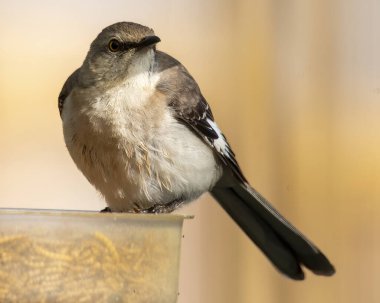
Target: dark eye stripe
point(129, 45)
point(115, 45)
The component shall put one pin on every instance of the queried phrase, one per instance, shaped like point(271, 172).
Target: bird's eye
point(114, 45)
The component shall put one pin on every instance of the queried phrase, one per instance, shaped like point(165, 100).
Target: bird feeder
point(67, 256)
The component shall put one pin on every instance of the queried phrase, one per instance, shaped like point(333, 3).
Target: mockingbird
point(136, 124)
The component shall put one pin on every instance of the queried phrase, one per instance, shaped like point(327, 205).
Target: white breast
point(129, 146)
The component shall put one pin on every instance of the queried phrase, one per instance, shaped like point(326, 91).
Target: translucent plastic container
point(66, 256)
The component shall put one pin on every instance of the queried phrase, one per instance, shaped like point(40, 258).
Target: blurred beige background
point(295, 85)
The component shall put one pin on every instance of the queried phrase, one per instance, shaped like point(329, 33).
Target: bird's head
point(117, 49)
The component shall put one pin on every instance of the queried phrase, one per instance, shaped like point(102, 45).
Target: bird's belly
point(135, 172)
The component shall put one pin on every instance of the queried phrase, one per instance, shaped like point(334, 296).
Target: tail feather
point(259, 232)
point(280, 241)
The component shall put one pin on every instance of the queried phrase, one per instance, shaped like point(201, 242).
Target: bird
point(138, 127)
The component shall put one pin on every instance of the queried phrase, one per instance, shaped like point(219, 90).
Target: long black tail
point(280, 241)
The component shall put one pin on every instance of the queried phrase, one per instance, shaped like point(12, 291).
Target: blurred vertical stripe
point(295, 85)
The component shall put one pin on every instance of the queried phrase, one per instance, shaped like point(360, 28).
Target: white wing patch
point(220, 144)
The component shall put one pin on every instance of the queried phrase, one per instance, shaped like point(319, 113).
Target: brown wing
point(66, 90)
point(191, 108)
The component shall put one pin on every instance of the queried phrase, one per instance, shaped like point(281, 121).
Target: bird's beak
point(148, 41)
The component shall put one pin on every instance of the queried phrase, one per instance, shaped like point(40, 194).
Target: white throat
point(140, 83)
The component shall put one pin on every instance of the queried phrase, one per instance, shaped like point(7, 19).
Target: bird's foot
point(106, 210)
point(163, 208)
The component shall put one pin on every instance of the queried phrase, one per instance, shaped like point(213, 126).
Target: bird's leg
point(163, 208)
